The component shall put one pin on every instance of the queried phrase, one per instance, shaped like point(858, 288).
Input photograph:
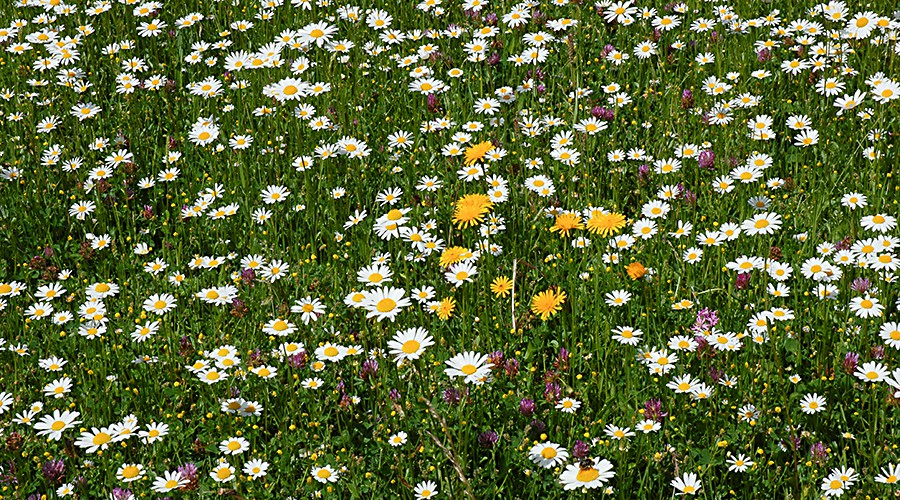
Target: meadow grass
point(358, 250)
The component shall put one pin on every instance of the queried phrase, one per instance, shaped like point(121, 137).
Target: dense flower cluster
point(486, 249)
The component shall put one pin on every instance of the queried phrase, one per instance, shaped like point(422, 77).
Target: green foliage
point(209, 238)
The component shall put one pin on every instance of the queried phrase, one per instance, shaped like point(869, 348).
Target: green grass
point(347, 423)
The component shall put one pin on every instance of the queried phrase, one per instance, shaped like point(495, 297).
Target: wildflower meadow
point(462, 249)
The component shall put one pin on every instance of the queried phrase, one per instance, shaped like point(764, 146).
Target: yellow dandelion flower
point(471, 209)
point(548, 303)
point(476, 153)
point(605, 224)
point(501, 286)
point(452, 255)
point(636, 270)
point(565, 223)
point(446, 308)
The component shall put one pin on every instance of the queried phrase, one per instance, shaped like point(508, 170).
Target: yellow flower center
point(587, 475)
point(386, 305)
point(130, 472)
point(411, 346)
